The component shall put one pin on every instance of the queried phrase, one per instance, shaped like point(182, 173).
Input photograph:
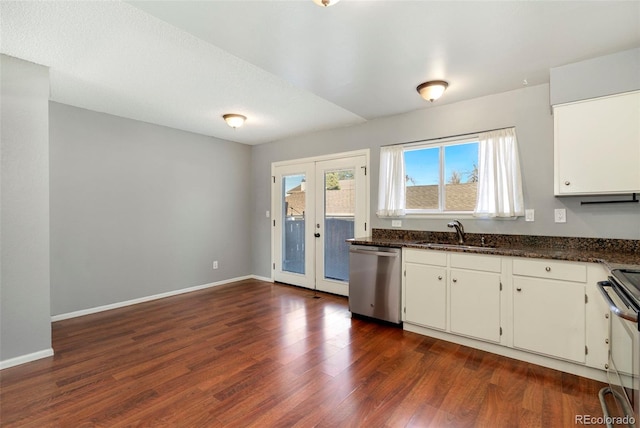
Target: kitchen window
point(441, 176)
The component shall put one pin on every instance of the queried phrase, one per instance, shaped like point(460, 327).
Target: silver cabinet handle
point(548, 269)
point(518, 289)
point(567, 183)
point(439, 277)
point(455, 280)
point(622, 313)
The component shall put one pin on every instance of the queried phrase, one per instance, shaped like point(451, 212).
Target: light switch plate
point(529, 215)
point(396, 223)
point(560, 215)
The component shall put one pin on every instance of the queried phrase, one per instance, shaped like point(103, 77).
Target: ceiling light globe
point(234, 120)
point(325, 3)
point(432, 90)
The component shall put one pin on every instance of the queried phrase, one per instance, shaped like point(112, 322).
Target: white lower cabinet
point(549, 313)
point(457, 293)
point(537, 307)
point(475, 304)
point(426, 295)
point(549, 317)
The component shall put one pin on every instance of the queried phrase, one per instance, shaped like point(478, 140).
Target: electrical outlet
point(215, 264)
point(529, 215)
point(396, 223)
point(560, 215)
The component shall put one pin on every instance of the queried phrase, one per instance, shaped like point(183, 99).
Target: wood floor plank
point(256, 354)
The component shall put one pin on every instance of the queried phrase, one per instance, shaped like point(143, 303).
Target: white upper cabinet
point(597, 146)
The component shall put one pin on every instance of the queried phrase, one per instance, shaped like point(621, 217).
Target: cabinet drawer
point(437, 258)
point(550, 269)
point(476, 262)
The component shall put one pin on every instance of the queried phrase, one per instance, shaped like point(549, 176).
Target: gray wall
point(25, 324)
point(597, 77)
point(139, 209)
point(527, 109)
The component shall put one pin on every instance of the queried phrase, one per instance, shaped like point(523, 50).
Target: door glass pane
point(422, 168)
point(293, 206)
point(339, 217)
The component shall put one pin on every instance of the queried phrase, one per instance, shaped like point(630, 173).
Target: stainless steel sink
point(454, 246)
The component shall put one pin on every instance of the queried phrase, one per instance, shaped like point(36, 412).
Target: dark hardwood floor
point(268, 355)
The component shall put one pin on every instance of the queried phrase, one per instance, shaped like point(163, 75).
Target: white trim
point(11, 362)
point(362, 152)
point(262, 278)
point(447, 141)
point(145, 299)
point(49, 352)
point(447, 215)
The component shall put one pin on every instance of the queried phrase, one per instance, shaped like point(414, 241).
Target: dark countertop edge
point(610, 260)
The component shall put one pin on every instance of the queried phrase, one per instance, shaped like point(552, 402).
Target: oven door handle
point(622, 313)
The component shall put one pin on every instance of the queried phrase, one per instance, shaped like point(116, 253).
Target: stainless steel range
point(622, 294)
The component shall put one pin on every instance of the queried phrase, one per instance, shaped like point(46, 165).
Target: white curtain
point(391, 190)
point(499, 178)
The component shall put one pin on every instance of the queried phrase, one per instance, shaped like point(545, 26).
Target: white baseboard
point(25, 358)
point(49, 352)
point(149, 298)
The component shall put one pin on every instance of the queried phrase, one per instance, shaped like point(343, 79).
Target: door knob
point(317, 235)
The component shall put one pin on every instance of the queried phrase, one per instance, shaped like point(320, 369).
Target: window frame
point(441, 144)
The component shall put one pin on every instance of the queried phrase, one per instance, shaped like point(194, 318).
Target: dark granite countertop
point(613, 253)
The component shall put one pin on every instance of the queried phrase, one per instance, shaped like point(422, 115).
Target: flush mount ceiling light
point(432, 90)
point(325, 3)
point(234, 120)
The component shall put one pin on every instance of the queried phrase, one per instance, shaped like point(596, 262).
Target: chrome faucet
point(459, 230)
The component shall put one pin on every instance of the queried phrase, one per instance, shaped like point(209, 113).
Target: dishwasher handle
point(376, 253)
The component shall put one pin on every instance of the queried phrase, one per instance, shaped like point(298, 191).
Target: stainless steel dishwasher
point(375, 282)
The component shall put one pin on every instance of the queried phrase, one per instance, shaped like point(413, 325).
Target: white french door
point(293, 224)
point(316, 206)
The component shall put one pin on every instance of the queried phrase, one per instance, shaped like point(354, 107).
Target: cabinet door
point(549, 317)
point(475, 304)
point(425, 295)
point(597, 145)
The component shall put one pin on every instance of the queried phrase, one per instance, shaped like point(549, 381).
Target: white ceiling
point(293, 67)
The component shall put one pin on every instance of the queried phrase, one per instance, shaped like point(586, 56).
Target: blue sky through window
point(292, 181)
point(423, 165)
